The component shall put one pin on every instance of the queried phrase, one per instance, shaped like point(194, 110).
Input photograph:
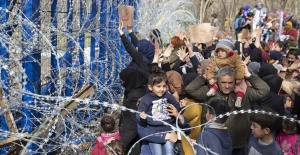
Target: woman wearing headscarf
point(142, 55)
point(175, 84)
point(134, 80)
point(289, 30)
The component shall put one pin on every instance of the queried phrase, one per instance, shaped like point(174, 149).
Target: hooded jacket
point(215, 137)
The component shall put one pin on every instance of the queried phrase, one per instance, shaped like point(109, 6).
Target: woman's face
point(291, 58)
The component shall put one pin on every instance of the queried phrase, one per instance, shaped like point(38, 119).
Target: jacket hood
point(259, 3)
point(222, 135)
point(247, 7)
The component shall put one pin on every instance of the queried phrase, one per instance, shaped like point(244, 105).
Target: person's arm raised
point(136, 56)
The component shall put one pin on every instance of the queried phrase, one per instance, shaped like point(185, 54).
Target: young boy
point(215, 135)
point(262, 140)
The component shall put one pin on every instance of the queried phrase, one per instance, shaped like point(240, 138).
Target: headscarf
point(175, 80)
point(288, 26)
point(256, 55)
point(147, 49)
point(204, 64)
point(133, 77)
point(253, 67)
point(267, 69)
point(274, 81)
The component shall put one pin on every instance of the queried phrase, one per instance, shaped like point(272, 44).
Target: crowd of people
point(187, 96)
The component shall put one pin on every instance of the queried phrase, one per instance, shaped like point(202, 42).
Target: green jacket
point(238, 125)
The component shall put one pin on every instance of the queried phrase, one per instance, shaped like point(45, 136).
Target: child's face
point(257, 130)
point(287, 131)
point(222, 54)
point(277, 47)
point(208, 115)
point(158, 89)
point(288, 103)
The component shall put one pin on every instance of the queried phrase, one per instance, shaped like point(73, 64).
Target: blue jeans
point(162, 149)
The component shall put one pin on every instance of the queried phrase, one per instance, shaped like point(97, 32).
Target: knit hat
point(225, 44)
point(275, 55)
point(147, 49)
point(253, 67)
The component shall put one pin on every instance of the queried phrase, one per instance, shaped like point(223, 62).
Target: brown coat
point(233, 61)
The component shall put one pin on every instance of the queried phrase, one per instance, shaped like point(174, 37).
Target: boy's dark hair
point(265, 120)
point(157, 75)
point(114, 148)
point(219, 107)
point(250, 14)
point(108, 124)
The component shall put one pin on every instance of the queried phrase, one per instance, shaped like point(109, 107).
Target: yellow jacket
point(193, 115)
point(233, 61)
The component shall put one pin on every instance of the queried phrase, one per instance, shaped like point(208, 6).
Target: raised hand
point(247, 73)
point(157, 53)
point(121, 28)
point(168, 51)
point(182, 54)
point(129, 28)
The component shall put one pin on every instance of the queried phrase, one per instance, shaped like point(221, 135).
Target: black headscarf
point(274, 81)
point(267, 69)
point(255, 55)
point(133, 77)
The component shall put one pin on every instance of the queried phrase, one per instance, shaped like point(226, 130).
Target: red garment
point(292, 33)
point(264, 55)
point(99, 147)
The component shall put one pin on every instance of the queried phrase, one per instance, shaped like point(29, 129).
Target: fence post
point(31, 63)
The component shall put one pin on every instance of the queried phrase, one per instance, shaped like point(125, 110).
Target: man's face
point(226, 83)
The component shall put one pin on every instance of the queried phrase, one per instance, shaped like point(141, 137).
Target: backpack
point(236, 22)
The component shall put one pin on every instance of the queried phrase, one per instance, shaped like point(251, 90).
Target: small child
point(158, 103)
point(215, 135)
point(108, 135)
point(225, 57)
point(288, 137)
point(262, 139)
point(115, 148)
